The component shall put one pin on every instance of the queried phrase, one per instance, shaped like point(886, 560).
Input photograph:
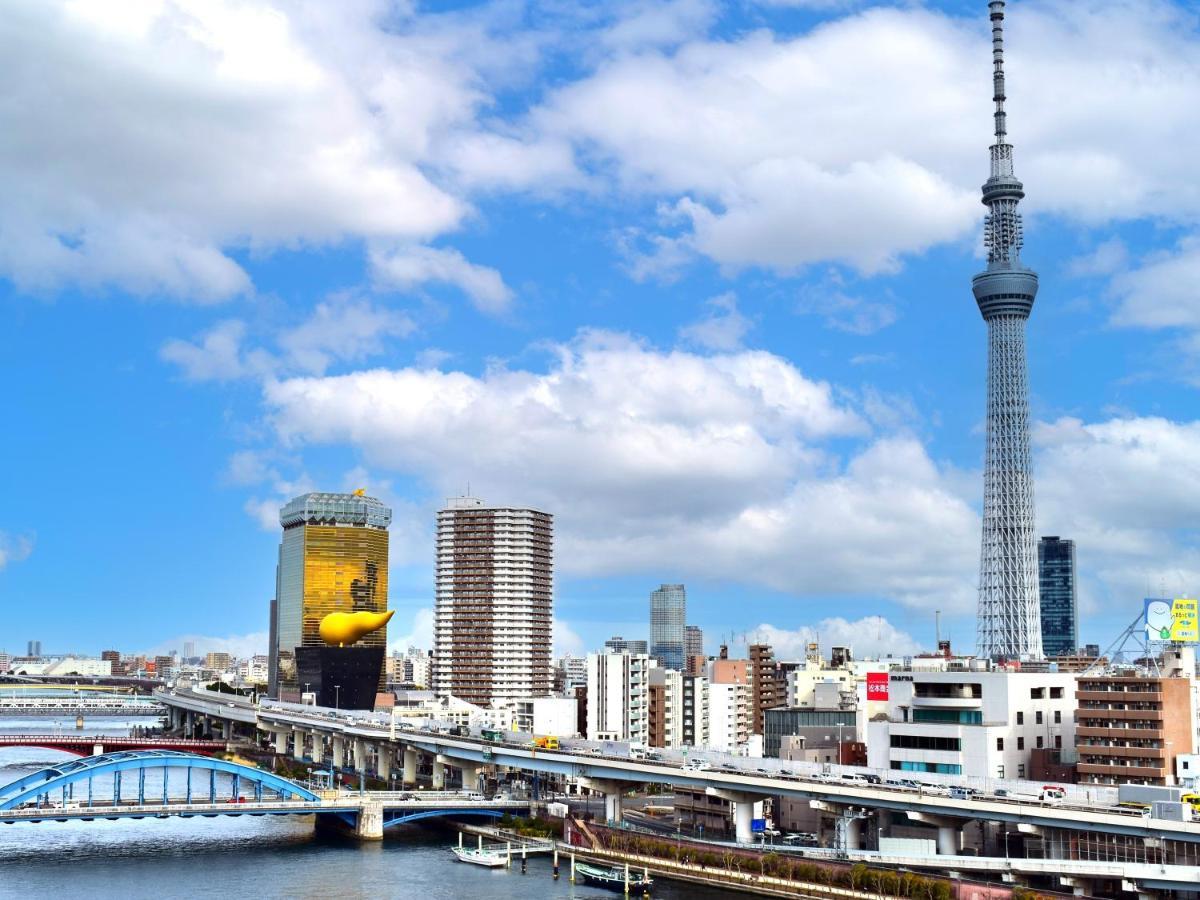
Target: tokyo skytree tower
point(1009, 623)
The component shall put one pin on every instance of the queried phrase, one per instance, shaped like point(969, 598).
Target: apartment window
point(1056, 693)
point(999, 771)
point(1021, 770)
point(1000, 746)
point(1037, 693)
point(1058, 741)
point(1020, 718)
point(1039, 742)
point(1058, 717)
point(1020, 743)
point(1038, 717)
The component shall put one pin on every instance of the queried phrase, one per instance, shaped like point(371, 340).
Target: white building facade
point(728, 717)
point(983, 724)
point(618, 695)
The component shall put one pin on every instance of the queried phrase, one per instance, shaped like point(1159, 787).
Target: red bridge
point(95, 744)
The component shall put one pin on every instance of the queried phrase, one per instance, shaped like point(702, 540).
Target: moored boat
point(614, 878)
point(493, 859)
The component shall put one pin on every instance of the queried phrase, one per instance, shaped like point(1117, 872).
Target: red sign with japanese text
point(877, 685)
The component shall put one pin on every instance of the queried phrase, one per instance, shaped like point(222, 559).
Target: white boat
point(491, 858)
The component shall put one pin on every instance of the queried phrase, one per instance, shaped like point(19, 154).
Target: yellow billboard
point(1173, 620)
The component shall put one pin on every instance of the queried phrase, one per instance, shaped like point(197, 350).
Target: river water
point(268, 857)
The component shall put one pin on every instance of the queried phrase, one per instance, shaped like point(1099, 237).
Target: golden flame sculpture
point(339, 628)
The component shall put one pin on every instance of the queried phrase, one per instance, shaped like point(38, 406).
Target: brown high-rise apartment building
point(493, 610)
point(764, 686)
point(1130, 728)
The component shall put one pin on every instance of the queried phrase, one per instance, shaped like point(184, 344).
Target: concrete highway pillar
point(318, 747)
point(439, 774)
point(948, 840)
point(383, 768)
point(743, 815)
point(226, 730)
point(339, 752)
point(409, 776)
point(612, 807)
point(298, 744)
point(470, 777)
point(189, 724)
point(370, 822)
point(281, 742)
point(360, 755)
point(854, 833)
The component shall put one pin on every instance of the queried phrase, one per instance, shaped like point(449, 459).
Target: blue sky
point(693, 277)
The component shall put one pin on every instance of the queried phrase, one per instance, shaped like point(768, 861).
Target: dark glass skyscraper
point(668, 612)
point(1056, 582)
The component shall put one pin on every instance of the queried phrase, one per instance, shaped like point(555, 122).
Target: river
point(269, 857)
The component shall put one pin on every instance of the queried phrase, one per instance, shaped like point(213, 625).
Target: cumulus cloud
point(1161, 292)
point(14, 548)
point(420, 630)
point(239, 645)
point(721, 328)
point(408, 267)
point(1127, 491)
point(650, 459)
point(868, 636)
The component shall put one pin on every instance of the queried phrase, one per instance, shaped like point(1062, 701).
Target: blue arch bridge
point(163, 784)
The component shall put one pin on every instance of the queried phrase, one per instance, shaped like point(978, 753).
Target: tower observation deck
point(1008, 623)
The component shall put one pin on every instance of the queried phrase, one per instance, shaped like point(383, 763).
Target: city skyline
point(733, 355)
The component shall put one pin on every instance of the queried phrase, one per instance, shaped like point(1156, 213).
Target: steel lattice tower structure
point(1009, 622)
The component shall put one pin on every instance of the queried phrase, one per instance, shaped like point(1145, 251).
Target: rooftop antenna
point(937, 626)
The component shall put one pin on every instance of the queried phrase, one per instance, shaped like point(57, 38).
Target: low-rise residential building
point(971, 722)
point(666, 707)
point(618, 697)
point(694, 718)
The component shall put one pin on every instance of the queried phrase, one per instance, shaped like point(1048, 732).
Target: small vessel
point(614, 878)
point(493, 859)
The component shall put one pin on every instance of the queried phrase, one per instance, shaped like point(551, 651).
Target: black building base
point(341, 677)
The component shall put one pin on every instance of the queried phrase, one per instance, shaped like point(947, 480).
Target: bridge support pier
point(470, 777)
point(439, 774)
point(370, 822)
point(409, 775)
point(949, 831)
point(383, 765)
point(298, 744)
point(281, 742)
point(612, 791)
point(318, 747)
point(226, 730)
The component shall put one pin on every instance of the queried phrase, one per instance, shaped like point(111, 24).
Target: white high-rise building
point(574, 671)
point(728, 716)
point(493, 611)
point(618, 697)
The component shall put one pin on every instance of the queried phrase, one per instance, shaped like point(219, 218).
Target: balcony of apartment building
point(1116, 771)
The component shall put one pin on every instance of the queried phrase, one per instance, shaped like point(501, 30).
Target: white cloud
point(868, 636)
point(651, 459)
point(342, 329)
point(1163, 291)
point(408, 267)
point(240, 645)
point(217, 355)
point(1126, 491)
point(722, 328)
point(842, 312)
point(865, 139)
point(420, 629)
point(147, 145)
point(567, 640)
point(14, 548)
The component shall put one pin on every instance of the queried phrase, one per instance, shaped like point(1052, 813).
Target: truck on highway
point(1145, 795)
point(546, 742)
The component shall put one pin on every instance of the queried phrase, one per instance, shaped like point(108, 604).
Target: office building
point(618, 644)
point(618, 697)
point(35, 649)
point(1056, 596)
point(668, 613)
point(983, 724)
point(819, 728)
point(112, 656)
point(333, 557)
point(1131, 728)
point(573, 672)
point(693, 641)
point(189, 650)
point(217, 662)
point(494, 602)
point(1008, 624)
point(164, 666)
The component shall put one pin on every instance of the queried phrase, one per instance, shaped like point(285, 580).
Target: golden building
point(333, 557)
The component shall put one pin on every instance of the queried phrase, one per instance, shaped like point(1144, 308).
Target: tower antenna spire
point(1008, 618)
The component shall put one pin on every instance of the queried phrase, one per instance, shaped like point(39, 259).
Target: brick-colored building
point(1130, 728)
